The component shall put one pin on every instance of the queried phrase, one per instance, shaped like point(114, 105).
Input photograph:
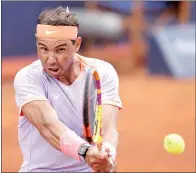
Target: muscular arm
point(110, 133)
point(44, 118)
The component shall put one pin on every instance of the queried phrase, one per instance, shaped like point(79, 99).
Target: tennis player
point(49, 95)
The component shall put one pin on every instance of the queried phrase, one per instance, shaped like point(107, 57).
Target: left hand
point(97, 160)
point(111, 150)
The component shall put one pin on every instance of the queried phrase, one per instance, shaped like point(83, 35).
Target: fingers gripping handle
point(111, 160)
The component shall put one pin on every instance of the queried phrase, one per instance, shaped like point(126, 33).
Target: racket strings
point(93, 115)
point(92, 107)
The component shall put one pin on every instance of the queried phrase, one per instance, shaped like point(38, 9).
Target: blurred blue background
point(19, 24)
point(138, 26)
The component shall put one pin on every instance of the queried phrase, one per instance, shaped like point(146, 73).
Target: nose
point(51, 58)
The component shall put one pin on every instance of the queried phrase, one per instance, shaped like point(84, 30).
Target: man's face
point(56, 55)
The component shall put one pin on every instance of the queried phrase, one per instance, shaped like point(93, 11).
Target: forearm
point(66, 141)
point(48, 125)
point(110, 133)
point(111, 136)
point(53, 130)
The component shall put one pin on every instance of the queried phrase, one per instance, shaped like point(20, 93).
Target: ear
point(78, 43)
point(37, 40)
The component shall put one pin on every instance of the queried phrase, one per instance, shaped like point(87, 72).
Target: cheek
point(43, 61)
point(71, 49)
point(63, 60)
point(42, 57)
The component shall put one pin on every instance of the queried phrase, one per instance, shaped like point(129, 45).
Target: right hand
point(98, 160)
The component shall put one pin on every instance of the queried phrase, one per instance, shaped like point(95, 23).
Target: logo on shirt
point(56, 97)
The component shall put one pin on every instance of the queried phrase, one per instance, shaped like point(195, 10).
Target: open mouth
point(54, 69)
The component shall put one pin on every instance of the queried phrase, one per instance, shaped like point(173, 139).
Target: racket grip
point(101, 148)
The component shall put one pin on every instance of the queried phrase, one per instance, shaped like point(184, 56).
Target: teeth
point(54, 69)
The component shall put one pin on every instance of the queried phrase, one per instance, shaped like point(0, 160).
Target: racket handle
point(101, 148)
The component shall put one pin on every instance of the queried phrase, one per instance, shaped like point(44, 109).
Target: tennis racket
point(92, 109)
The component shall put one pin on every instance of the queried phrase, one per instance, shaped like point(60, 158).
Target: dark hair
point(57, 17)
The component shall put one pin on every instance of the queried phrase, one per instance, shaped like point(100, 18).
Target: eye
point(61, 50)
point(43, 49)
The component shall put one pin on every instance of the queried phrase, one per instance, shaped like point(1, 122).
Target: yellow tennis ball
point(174, 144)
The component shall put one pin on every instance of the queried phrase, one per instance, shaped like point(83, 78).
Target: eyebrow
point(41, 44)
point(63, 44)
